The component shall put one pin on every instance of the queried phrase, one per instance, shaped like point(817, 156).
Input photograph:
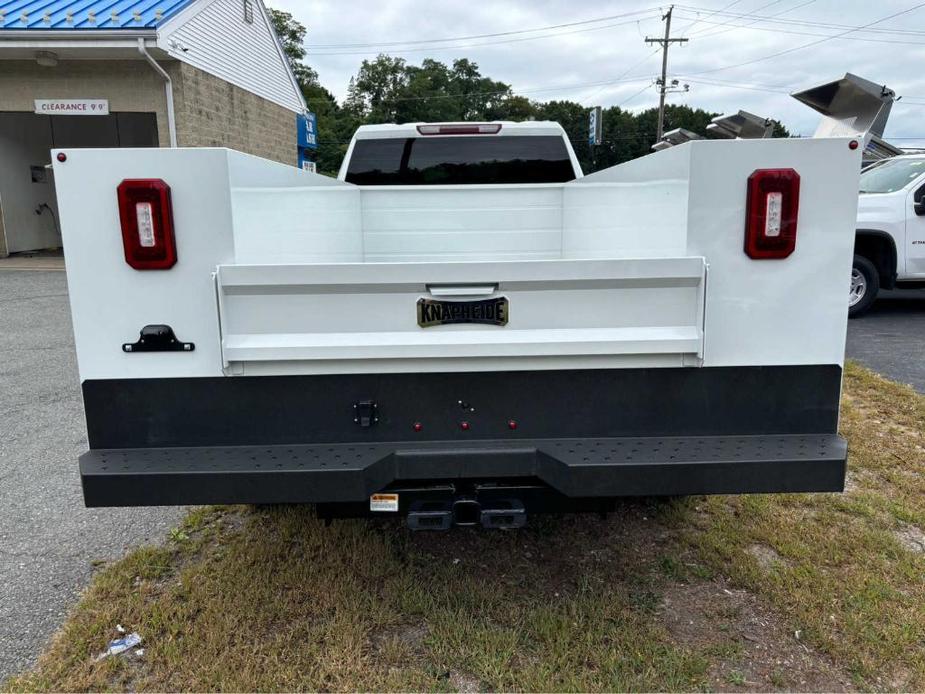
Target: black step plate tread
point(575, 467)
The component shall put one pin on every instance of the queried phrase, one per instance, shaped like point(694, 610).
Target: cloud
point(576, 62)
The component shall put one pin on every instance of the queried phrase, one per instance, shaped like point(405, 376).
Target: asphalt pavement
point(48, 540)
point(890, 338)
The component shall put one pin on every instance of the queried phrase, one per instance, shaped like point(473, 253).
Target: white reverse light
point(145, 216)
point(772, 219)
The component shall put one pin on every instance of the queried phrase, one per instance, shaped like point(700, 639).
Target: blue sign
point(307, 127)
point(594, 126)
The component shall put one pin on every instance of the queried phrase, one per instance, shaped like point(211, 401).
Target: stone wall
point(213, 113)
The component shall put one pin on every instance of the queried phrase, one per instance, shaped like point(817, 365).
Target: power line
point(713, 32)
point(624, 74)
point(486, 36)
point(477, 45)
point(694, 23)
point(801, 22)
point(627, 100)
point(777, 30)
point(807, 45)
point(757, 9)
point(747, 87)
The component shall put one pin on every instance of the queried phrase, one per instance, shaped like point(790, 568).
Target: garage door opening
point(28, 208)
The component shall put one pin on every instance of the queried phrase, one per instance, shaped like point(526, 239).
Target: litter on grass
point(121, 645)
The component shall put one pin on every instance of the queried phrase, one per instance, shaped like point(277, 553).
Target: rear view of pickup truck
point(462, 328)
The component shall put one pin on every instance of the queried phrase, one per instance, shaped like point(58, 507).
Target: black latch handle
point(157, 338)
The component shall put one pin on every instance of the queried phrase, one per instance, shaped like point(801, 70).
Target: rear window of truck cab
point(457, 160)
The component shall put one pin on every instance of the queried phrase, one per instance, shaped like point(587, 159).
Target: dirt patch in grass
point(849, 577)
point(911, 537)
point(752, 649)
point(766, 556)
point(461, 682)
point(789, 592)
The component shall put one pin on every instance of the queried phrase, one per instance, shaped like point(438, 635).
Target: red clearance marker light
point(62, 157)
point(146, 214)
point(464, 426)
point(853, 144)
point(771, 208)
point(418, 426)
point(511, 424)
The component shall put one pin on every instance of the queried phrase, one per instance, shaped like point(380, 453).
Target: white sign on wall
point(72, 107)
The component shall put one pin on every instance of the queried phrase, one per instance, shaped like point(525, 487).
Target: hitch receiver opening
point(505, 514)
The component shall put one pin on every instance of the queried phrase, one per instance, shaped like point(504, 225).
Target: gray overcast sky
point(575, 62)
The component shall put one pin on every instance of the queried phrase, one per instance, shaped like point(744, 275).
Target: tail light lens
point(771, 213)
point(146, 214)
point(461, 129)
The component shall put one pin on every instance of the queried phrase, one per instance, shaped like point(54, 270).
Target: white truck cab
point(890, 240)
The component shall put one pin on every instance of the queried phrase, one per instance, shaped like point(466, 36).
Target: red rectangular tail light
point(146, 215)
point(771, 208)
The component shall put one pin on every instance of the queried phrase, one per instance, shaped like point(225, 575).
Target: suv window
point(460, 160)
point(891, 175)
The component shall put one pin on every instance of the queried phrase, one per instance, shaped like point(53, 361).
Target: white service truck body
point(462, 352)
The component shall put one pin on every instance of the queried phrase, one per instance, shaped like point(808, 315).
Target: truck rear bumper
point(575, 468)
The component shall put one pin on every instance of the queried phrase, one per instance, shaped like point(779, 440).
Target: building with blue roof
point(132, 73)
point(89, 14)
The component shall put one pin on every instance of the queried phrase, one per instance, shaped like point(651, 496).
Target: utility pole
point(662, 84)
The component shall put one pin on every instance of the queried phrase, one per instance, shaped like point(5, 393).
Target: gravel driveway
point(48, 540)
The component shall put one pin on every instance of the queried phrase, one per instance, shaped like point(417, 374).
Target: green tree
point(291, 35)
point(379, 86)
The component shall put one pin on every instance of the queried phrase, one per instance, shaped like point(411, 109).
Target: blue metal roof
point(87, 14)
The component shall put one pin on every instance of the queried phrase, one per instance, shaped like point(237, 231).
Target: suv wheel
point(865, 283)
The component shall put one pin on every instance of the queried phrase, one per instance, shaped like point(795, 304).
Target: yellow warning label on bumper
point(383, 502)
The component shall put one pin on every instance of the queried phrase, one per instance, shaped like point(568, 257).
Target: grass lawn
point(736, 593)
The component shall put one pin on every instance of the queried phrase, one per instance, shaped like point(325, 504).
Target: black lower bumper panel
point(345, 473)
